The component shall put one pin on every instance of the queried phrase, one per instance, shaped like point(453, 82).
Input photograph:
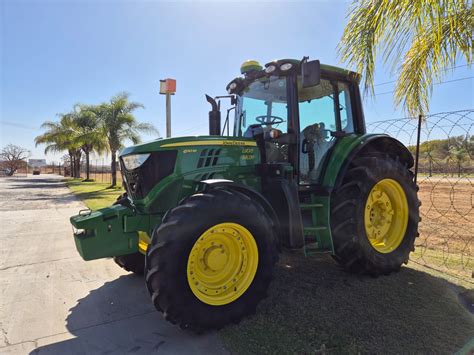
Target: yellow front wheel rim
point(386, 215)
point(222, 264)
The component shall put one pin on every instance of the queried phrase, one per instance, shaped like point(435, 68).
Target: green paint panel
point(102, 233)
point(341, 151)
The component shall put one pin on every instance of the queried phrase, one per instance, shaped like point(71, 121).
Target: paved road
point(53, 302)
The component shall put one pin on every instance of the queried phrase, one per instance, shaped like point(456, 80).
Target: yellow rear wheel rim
point(386, 215)
point(222, 264)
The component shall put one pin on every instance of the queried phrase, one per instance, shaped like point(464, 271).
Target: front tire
point(211, 260)
point(374, 216)
point(131, 262)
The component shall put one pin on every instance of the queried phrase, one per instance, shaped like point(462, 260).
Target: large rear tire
point(211, 260)
point(374, 216)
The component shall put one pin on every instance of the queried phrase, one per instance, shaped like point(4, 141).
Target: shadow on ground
point(39, 183)
point(118, 318)
point(34, 193)
point(313, 305)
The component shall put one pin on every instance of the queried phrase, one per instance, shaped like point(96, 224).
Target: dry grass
point(315, 307)
point(446, 237)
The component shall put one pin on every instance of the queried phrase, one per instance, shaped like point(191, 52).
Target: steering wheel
point(274, 120)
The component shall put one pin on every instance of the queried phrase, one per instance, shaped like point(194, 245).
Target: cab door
point(325, 113)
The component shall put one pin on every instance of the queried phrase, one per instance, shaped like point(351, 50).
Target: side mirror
point(310, 73)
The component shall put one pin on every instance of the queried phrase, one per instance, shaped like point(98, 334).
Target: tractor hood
point(184, 142)
point(165, 167)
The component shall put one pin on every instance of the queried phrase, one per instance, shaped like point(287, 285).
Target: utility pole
point(168, 115)
point(168, 88)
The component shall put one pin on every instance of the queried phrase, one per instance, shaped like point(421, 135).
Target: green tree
point(60, 136)
point(88, 132)
point(119, 125)
point(421, 40)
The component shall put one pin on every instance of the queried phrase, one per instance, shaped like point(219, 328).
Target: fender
point(209, 184)
point(352, 146)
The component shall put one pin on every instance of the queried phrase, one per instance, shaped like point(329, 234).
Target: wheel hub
point(386, 215)
point(222, 263)
point(381, 213)
point(215, 258)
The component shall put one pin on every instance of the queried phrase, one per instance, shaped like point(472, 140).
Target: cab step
point(317, 234)
point(308, 206)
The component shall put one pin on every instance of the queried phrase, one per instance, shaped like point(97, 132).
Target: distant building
point(37, 163)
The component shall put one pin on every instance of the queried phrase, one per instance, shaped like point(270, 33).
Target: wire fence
point(446, 187)
point(100, 171)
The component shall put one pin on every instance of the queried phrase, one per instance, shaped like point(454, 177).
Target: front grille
point(140, 181)
point(208, 157)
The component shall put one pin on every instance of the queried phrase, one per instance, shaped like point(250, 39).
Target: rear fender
point(353, 146)
point(381, 144)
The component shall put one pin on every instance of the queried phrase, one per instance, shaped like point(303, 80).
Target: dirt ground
point(446, 239)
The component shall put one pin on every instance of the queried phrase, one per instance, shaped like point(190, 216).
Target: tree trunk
point(114, 168)
point(71, 165)
point(78, 164)
point(87, 164)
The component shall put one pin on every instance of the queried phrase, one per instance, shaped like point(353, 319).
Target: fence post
point(417, 154)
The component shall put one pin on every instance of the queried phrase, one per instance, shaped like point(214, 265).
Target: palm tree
point(119, 125)
point(88, 132)
point(422, 40)
point(59, 137)
point(77, 130)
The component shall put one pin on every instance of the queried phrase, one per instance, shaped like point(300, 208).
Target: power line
point(441, 82)
point(447, 69)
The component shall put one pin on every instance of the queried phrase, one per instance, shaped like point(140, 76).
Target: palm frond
point(418, 39)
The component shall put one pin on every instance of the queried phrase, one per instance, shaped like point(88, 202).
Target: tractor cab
point(296, 110)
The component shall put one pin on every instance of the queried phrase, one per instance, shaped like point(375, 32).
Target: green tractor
point(204, 218)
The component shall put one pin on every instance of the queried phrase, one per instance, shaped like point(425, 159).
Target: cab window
point(323, 110)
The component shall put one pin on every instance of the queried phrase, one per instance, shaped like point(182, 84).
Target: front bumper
point(102, 233)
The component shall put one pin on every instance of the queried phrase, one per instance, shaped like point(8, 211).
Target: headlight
point(286, 66)
point(232, 86)
point(270, 69)
point(134, 161)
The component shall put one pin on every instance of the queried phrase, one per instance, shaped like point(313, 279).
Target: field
point(446, 239)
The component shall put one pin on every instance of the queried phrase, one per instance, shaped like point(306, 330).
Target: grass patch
point(94, 194)
point(315, 307)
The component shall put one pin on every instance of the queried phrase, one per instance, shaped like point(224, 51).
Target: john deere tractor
point(204, 218)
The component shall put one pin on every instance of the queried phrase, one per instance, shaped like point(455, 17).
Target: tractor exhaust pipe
point(214, 117)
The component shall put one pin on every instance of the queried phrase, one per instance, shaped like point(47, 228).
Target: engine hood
point(184, 142)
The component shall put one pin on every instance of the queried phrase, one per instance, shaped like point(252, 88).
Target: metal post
point(417, 153)
point(168, 115)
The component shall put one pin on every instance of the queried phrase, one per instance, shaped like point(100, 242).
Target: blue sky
point(58, 53)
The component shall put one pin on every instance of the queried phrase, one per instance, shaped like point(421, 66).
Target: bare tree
point(13, 157)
